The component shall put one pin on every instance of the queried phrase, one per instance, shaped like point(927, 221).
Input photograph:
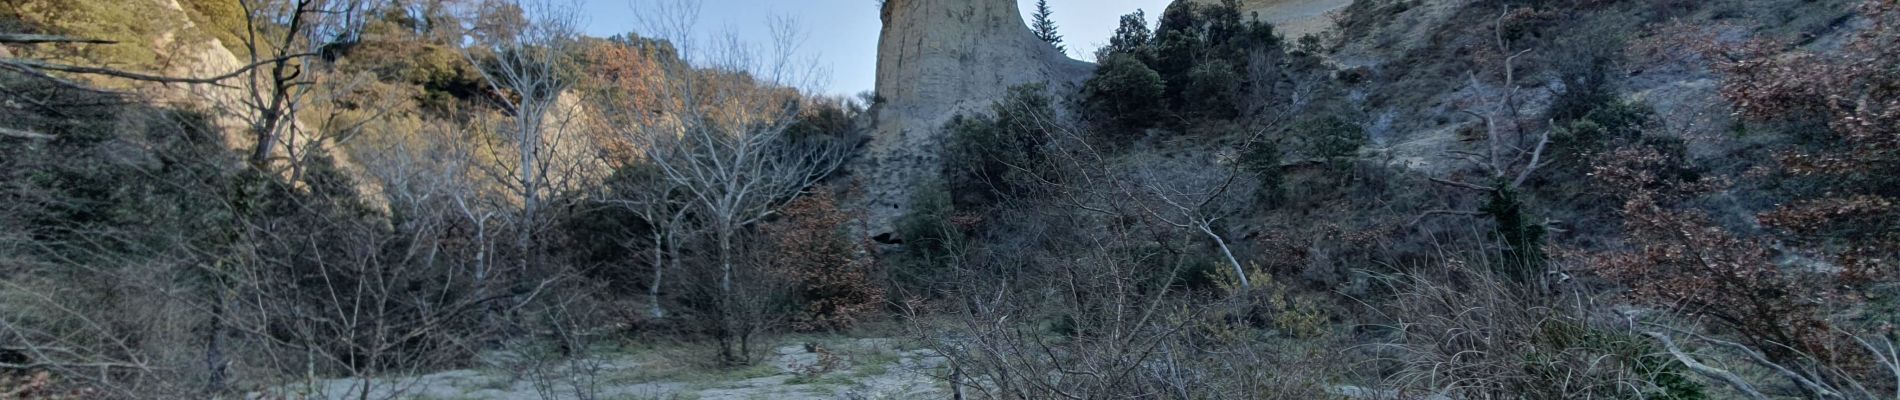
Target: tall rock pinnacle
point(936, 59)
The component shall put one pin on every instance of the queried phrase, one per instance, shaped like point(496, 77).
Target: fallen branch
point(1712, 372)
point(16, 133)
point(211, 80)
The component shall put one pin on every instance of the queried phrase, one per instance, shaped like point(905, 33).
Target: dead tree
point(1513, 152)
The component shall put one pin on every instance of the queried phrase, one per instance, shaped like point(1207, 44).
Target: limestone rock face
point(936, 59)
point(198, 58)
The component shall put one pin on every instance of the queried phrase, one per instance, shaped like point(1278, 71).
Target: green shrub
point(1331, 137)
point(1180, 44)
point(1579, 343)
point(1212, 91)
point(988, 156)
point(1263, 160)
point(1523, 256)
point(931, 240)
point(1125, 95)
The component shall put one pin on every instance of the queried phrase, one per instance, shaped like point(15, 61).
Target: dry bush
point(1855, 93)
point(40, 386)
point(833, 275)
point(1784, 320)
point(1468, 334)
point(1682, 260)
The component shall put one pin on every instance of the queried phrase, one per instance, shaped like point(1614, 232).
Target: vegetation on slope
point(1485, 199)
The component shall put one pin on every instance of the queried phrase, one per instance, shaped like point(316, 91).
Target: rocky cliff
point(938, 58)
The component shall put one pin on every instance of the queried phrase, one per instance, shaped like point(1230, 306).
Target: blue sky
point(843, 33)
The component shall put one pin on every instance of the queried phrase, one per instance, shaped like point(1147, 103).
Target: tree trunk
point(266, 134)
point(215, 359)
point(659, 271)
point(725, 263)
point(1238, 270)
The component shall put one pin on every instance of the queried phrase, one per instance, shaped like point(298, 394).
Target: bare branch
point(1537, 157)
point(27, 38)
point(9, 132)
point(211, 80)
point(1734, 381)
point(1463, 185)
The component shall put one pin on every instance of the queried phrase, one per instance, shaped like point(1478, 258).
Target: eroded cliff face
point(936, 59)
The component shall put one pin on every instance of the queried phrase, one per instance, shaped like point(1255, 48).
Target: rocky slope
point(186, 51)
point(938, 58)
point(1292, 18)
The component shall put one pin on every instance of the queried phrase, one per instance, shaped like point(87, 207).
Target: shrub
point(1469, 335)
point(1125, 95)
point(1263, 160)
point(1684, 261)
point(1523, 256)
point(931, 239)
point(1852, 91)
point(833, 274)
point(1331, 137)
point(1606, 126)
point(991, 156)
point(1213, 91)
point(1585, 64)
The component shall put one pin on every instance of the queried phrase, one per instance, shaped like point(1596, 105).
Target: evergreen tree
point(1130, 38)
point(1045, 27)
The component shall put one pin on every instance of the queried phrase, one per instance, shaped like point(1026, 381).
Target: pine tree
point(1045, 27)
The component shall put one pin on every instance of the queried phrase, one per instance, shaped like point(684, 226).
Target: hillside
point(1243, 199)
point(1293, 18)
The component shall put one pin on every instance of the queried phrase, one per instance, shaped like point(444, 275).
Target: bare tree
point(644, 191)
point(526, 60)
point(276, 94)
point(1513, 152)
point(723, 141)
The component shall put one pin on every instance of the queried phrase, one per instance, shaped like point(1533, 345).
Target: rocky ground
point(821, 368)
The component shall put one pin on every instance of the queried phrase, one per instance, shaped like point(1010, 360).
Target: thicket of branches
point(149, 254)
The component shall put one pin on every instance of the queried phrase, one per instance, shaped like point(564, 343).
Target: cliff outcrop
point(936, 59)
